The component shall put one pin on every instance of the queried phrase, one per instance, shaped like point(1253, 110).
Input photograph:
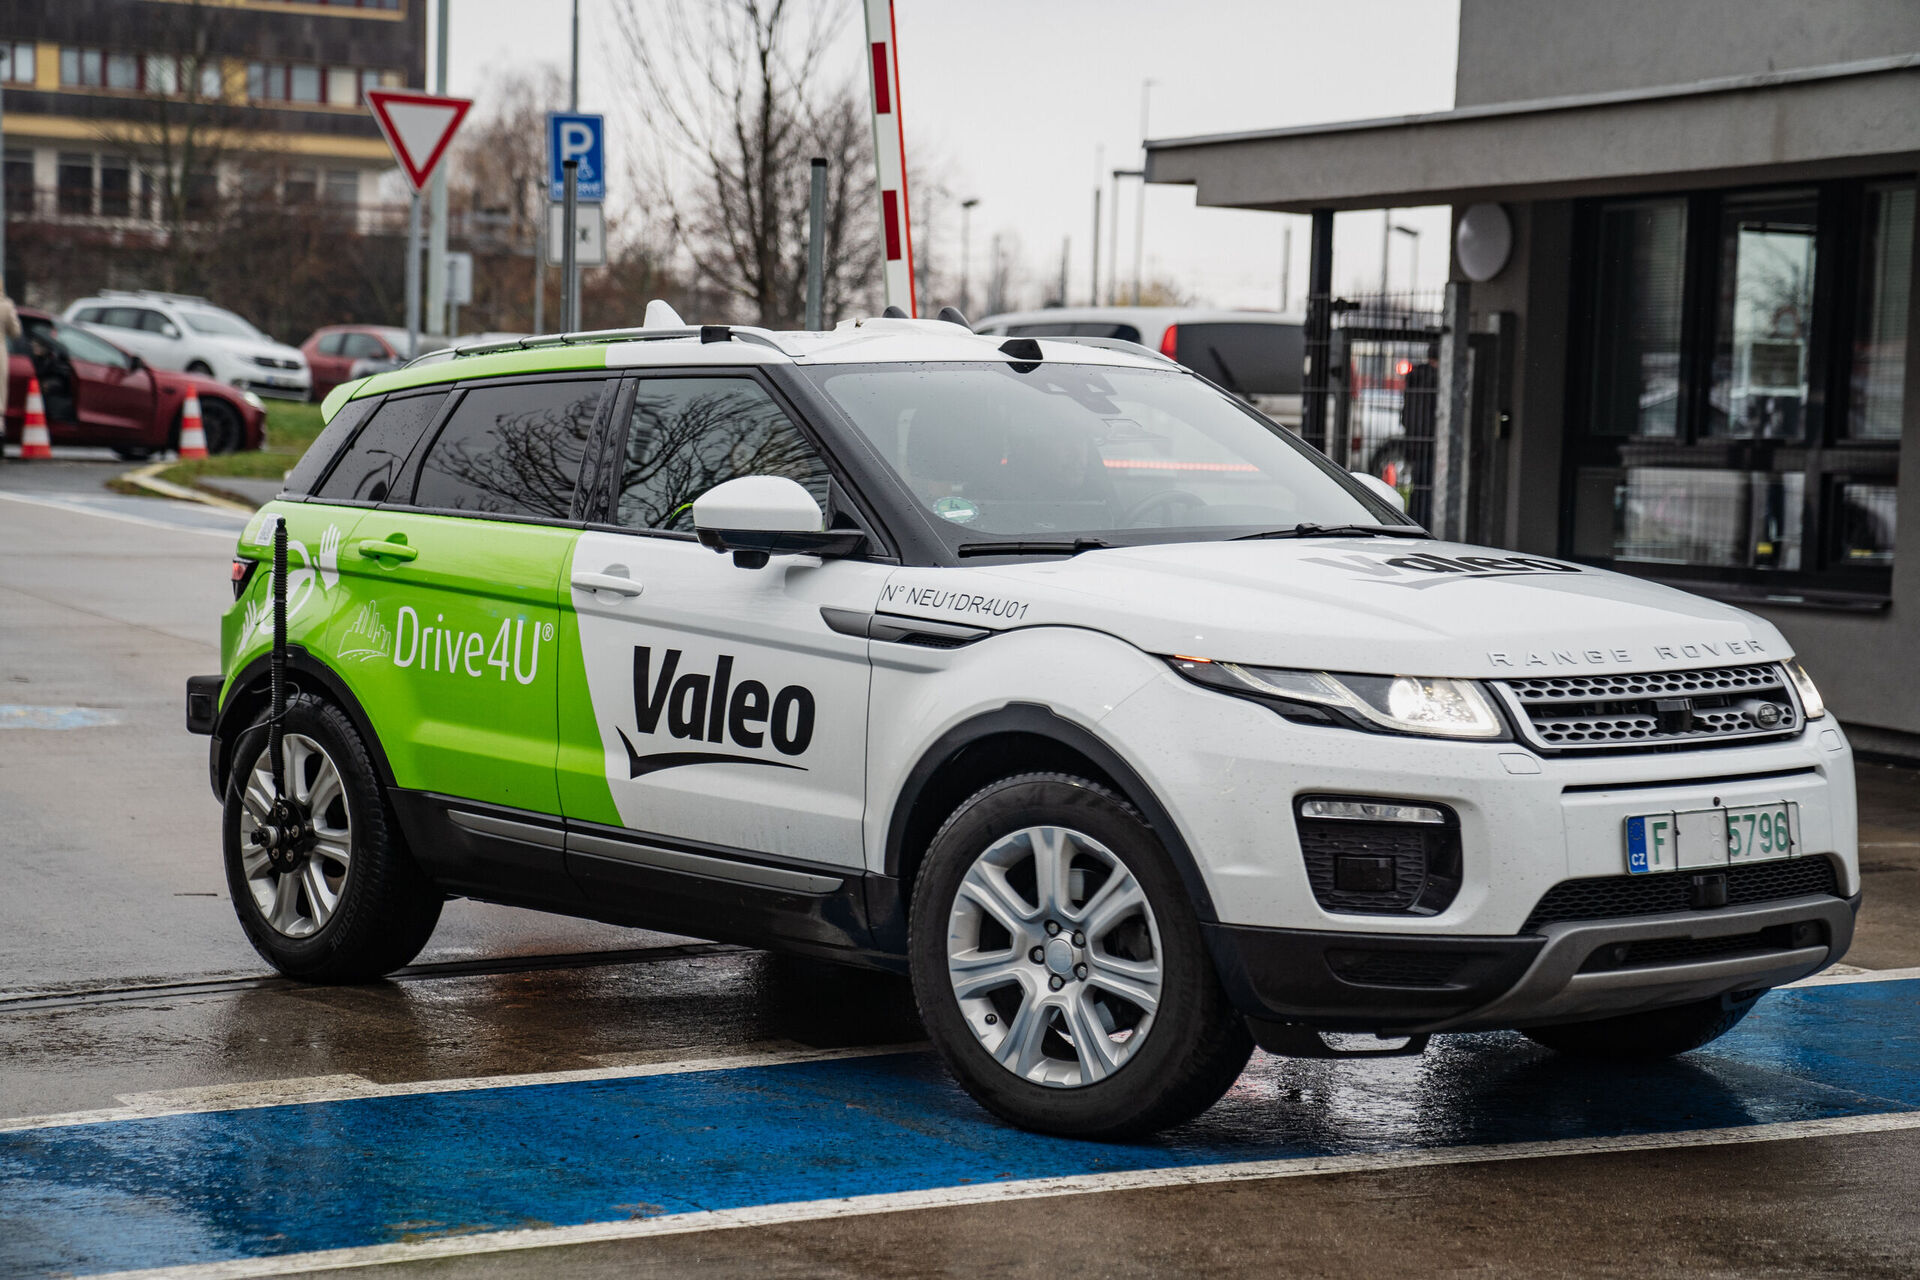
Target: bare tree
point(738, 98)
point(179, 130)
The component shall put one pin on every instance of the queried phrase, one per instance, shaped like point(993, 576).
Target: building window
point(1743, 378)
point(74, 182)
point(302, 186)
point(19, 181)
point(303, 83)
point(116, 187)
point(84, 67)
point(343, 186)
point(16, 62)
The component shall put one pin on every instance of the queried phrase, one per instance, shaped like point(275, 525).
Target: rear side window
point(88, 315)
point(690, 434)
point(1076, 329)
point(153, 322)
point(362, 346)
point(330, 343)
point(1248, 359)
point(512, 450)
point(120, 318)
point(372, 462)
point(336, 433)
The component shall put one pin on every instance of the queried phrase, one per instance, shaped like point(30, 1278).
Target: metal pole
point(1066, 248)
point(3, 196)
point(413, 274)
point(966, 257)
point(1113, 238)
point(1286, 266)
point(1319, 331)
point(569, 267)
point(570, 303)
point(1386, 241)
point(816, 245)
point(540, 265)
point(1450, 424)
point(1140, 204)
point(437, 320)
point(1093, 281)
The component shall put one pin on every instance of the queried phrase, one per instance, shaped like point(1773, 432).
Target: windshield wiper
point(1073, 548)
point(1305, 530)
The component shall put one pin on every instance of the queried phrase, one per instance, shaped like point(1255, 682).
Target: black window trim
point(1823, 582)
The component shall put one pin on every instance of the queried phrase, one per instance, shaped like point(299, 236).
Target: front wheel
point(342, 901)
point(1642, 1037)
point(1059, 968)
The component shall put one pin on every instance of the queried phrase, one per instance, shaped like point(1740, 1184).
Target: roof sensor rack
point(589, 337)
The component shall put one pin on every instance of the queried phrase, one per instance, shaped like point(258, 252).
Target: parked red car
point(334, 350)
point(97, 394)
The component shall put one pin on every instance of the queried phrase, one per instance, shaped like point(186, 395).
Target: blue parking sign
point(573, 136)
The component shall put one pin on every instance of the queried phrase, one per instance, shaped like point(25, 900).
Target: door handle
point(380, 549)
point(616, 582)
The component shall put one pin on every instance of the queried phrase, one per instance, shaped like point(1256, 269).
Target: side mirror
point(755, 517)
point(170, 330)
point(134, 363)
point(1382, 488)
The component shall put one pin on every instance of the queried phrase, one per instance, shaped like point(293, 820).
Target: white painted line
point(202, 1100)
point(1832, 979)
point(84, 509)
point(1035, 1188)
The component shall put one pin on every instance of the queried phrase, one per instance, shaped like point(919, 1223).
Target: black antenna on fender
point(277, 664)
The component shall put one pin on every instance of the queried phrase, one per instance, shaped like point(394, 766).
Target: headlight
point(253, 400)
point(1810, 700)
point(1429, 706)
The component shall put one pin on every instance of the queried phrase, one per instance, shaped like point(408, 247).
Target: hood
point(1355, 604)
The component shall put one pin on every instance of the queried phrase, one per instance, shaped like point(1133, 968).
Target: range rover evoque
point(1130, 727)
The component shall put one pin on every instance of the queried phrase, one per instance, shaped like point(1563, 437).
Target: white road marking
point(207, 1099)
point(1034, 1188)
point(87, 509)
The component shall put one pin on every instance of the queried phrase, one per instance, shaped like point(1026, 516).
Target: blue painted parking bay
point(201, 1188)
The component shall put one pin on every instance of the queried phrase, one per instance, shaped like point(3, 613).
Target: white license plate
point(1694, 838)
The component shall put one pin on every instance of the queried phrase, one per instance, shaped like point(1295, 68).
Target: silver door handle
point(618, 583)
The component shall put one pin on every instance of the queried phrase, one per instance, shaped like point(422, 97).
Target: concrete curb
point(148, 478)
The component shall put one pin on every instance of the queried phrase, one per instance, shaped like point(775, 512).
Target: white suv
point(191, 335)
point(1128, 724)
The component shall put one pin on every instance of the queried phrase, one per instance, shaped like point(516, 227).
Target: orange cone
point(34, 441)
point(193, 435)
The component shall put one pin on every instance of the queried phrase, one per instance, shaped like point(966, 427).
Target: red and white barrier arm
point(890, 156)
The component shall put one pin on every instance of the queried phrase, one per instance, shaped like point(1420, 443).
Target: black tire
point(222, 425)
point(1645, 1037)
point(386, 907)
point(1196, 1045)
point(132, 454)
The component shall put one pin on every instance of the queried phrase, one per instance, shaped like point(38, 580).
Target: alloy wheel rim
point(297, 903)
point(1054, 956)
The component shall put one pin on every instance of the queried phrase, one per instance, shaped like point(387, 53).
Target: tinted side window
point(120, 318)
point(329, 344)
point(512, 450)
point(690, 434)
point(1251, 359)
point(362, 346)
point(367, 472)
point(88, 315)
point(336, 433)
point(153, 322)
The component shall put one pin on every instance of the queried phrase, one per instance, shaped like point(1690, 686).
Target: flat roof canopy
point(1852, 119)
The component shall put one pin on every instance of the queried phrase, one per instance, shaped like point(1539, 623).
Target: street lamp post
point(1140, 204)
point(1413, 250)
point(966, 256)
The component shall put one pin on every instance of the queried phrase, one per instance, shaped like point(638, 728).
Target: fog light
point(1370, 811)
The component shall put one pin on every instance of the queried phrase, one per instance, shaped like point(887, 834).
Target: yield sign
point(418, 127)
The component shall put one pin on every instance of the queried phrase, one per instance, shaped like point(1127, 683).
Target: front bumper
point(1403, 984)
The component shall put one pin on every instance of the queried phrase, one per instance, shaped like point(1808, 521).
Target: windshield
point(1062, 451)
point(219, 324)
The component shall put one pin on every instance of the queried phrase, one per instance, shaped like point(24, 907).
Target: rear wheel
point(1657, 1033)
point(222, 426)
point(1059, 967)
point(133, 454)
point(343, 900)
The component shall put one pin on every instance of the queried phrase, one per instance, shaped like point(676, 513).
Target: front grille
point(1609, 897)
point(1653, 951)
point(272, 362)
point(1396, 968)
point(1656, 710)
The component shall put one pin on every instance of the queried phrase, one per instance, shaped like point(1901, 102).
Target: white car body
point(172, 331)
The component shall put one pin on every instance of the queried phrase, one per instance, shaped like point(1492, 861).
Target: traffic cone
point(193, 435)
point(34, 441)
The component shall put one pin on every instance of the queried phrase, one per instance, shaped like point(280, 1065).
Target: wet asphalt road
point(125, 984)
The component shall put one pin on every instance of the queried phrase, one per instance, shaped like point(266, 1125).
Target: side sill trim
point(700, 865)
point(524, 832)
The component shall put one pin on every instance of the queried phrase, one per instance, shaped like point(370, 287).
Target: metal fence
point(1384, 368)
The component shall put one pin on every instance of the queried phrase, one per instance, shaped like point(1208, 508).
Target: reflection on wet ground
point(365, 1171)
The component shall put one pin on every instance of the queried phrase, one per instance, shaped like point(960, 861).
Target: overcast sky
point(1019, 103)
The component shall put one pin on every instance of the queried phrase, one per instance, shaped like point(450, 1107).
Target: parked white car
point(176, 331)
